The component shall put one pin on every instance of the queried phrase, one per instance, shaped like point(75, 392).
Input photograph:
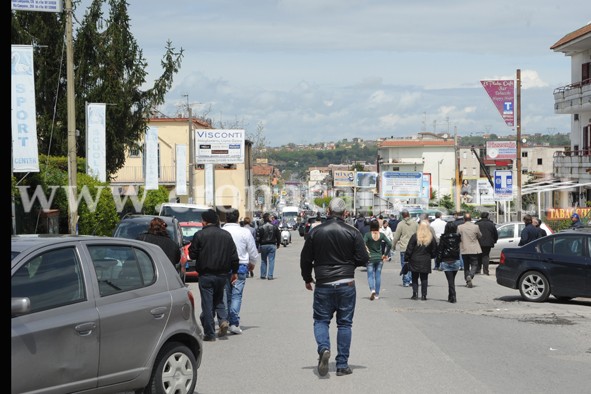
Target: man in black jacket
point(215, 255)
point(529, 232)
point(489, 238)
point(269, 239)
point(333, 250)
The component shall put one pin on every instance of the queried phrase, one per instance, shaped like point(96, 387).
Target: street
point(488, 342)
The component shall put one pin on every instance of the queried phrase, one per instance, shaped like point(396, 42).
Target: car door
point(56, 346)
point(134, 307)
point(568, 264)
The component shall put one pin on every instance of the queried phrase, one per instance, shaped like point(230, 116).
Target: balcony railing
point(135, 175)
point(574, 164)
point(573, 97)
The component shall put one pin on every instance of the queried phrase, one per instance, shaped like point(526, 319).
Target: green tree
point(109, 68)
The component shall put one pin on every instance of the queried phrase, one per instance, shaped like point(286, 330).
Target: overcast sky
point(324, 70)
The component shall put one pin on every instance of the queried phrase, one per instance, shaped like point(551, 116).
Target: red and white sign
point(502, 93)
point(501, 150)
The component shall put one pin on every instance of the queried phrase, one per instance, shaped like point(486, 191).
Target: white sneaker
point(235, 330)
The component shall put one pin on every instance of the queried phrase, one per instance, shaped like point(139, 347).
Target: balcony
point(134, 175)
point(573, 98)
point(574, 165)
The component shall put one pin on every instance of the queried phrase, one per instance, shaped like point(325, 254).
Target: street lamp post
point(439, 183)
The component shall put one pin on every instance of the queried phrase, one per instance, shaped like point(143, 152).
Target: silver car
point(100, 314)
point(509, 237)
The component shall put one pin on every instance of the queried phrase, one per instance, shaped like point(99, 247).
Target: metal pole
point(191, 155)
point(518, 204)
point(71, 123)
point(457, 165)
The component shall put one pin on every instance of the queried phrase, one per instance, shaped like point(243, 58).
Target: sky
point(309, 71)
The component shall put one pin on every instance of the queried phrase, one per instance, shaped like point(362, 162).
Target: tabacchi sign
point(502, 93)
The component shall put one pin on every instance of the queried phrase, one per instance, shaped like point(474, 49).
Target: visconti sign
point(219, 146)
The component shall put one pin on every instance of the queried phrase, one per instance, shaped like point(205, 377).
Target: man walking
point(469, 247)
point(489, 238)
point(248, 255)
point(269, 240)
point(404, 230)
point(438, 226)
point(215, 255)
point(333, 250)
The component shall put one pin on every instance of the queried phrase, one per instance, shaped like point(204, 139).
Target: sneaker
point(323, 362)
point(344, 371)
point(377, 297)
point(373, 295)
point(223, 329)
point(235, 330)
point(469, 282)
point(405, 285)
point(209, 338)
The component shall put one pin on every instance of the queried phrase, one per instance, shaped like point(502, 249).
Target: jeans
point(328, 300)
point(374, 275)
point(222, 309)
point(268, 260)
point(236, 300)
point(406, 279)
point(211, 289)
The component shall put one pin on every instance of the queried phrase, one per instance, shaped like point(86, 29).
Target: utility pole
point(457, 160)
point(72, 166)
point(518, 203)
point(191, 154)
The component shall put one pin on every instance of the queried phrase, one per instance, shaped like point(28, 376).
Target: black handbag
point(405, 269)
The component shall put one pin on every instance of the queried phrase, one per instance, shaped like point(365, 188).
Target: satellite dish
point(445, 135)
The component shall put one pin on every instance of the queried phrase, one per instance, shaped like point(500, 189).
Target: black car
point(130, 226)
point(558, 264)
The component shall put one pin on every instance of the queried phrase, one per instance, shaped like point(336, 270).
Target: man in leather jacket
point(333, 250)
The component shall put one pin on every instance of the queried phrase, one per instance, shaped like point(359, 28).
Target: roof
point(417, 143)
point(198, 123)
point(572, 37)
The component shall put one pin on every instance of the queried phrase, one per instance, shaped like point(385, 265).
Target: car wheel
point(534, 287)
point(175, 371)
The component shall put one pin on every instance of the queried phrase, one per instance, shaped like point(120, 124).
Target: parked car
point(558, 264)
point(189, 229)
point(130, 226)
point(99, 314)
point(509, 237)
point(311, 222)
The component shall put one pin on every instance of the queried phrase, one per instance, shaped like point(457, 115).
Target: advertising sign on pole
point(37, 5)
point(503, 185)
point(401, 185)
point(501, 150)
point(96, 142)
point(181, 170)
point(219, 146)
point(502, 94)
point(343, 178)
point(367, 179)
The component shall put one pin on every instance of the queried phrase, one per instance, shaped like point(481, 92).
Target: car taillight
point(502, 258)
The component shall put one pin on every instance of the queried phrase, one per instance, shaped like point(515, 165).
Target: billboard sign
point(501, 150)
point(367, 180)
point(213, 146)
point(502, 94)
point(484, 192)
point(402, 185)
point(343, 178)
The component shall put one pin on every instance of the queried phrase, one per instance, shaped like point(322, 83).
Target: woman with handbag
point(373, 241)
point(422, 247)
point(448, 254)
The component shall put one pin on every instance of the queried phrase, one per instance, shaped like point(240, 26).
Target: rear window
point(183, 214)
point(131, 229)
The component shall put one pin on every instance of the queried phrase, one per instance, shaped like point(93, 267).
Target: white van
point(289, 216)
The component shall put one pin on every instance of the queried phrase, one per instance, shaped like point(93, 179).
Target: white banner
point(38, 5)
point(25, 156)
point(151, 158)
point(96, 151)
point(219, 146)
point(181, 170)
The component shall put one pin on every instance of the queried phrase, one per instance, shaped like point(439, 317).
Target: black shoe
point(424, 298)
point(414, 296)
point(209, 338)
point(452, 300)
point(323, 362)
point(270, 278)
point(344, 371)
point(251, 274)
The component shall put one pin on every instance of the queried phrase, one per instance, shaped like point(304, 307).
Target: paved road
point(488, 342)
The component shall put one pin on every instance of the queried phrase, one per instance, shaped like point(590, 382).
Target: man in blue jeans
point(248, 255)
point(333, 250)
point(269, 239)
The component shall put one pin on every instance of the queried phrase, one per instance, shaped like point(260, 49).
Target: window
point(121, 268)
point(523, 154)
point(134, 152)
point(506, 232)
point(50, 280)
point(539, 162)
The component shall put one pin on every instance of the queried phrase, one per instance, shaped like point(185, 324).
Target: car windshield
point(183, 214)
point(189, 231)
point(131, 229)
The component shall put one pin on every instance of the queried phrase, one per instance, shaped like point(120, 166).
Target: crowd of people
point(226, 256)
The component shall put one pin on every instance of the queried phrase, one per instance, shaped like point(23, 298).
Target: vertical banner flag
point(181, 170)
point(502, 93)
point(25, 157)
point(96, 144)
point(151, 158)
